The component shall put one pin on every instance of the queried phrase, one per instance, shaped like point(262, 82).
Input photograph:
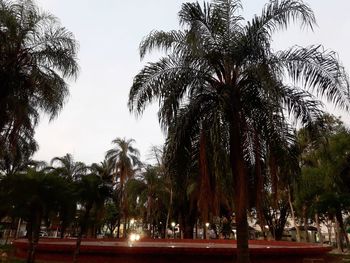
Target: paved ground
point(158, 250)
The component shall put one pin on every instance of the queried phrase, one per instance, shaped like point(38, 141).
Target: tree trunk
point(274, 177)
point(18, 227)
point(317, 220)
point(281, 221)
point(125, 226)
point(329, 229)
point(187, 222)
point(8, 232)
point(30, 241)
point(259, 186)
point(306, 225)
point(118, 227)
point(337, 235)
point(343, 234)
point(81, 232)
point(33, 235)
point(293, 215)
point(169, 210)
point(240, 185)
point(125, 212)
point(205, 198)
point(63, 226)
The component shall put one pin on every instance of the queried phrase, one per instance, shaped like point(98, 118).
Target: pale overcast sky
point(109, 32)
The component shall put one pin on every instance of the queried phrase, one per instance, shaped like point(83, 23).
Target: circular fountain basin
point(172, 250)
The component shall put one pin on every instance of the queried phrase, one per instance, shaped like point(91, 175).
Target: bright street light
point(134, 237)
point(173, 225)
point(206, 230)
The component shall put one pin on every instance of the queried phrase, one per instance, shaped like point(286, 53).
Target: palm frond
point(319, 71)
point(279, 14)
point(164, 41)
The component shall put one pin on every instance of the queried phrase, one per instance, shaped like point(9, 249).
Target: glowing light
point(132, 237)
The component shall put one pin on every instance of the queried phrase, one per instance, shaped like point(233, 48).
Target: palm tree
point(37, 56)
point(104, 169)
point(92, 193)
point(126, 159)
point(219, 64)
point(67, 167)
point(148, 193)
point(157, 153)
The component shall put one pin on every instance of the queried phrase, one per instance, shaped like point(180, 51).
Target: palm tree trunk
point(274, 178)
point(259, 184)
point(125, 224)
point(205, 198)
point(188, 221)
point(169, 210)
point(306, 225)
point(293, 215)
point(240, 184)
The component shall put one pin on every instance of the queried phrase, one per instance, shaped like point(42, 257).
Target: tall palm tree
point(37, 55)
point(126, 159)
point(218, 63)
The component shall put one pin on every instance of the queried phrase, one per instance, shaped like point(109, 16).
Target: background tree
point(111, 217)
point(150, 197)
point(66, 167)
point(322, 187)
point(126, 159)
point(32, 196)
point(92, 193)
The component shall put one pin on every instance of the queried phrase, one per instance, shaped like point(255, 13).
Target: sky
point(109, 33)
